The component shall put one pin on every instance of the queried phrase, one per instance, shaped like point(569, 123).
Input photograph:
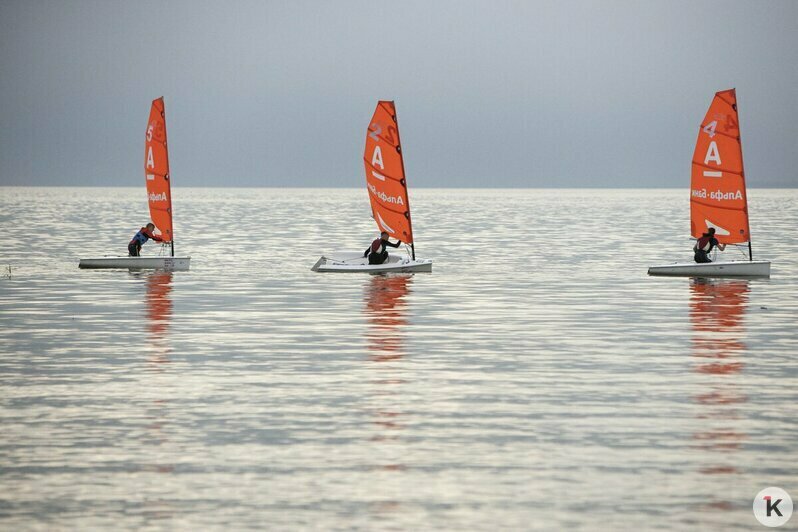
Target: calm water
point(537, 379)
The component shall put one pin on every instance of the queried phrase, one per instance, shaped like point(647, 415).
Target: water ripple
point(537, 379)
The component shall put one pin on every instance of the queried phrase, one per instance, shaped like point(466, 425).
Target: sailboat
point(159, 197)
point(387, 190)
point(717, 194)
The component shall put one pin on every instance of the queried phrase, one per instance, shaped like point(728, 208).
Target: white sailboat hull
point(136, 263)
point(756, 268)
point(356, 263)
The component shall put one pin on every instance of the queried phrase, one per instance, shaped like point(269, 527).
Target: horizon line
point(785, 186)
point(764, 187)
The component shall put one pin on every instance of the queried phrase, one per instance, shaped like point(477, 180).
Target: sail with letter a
point(385, 174)
point(717, 192)
point(156, 171)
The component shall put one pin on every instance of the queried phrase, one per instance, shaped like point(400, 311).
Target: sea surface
point(537, 379)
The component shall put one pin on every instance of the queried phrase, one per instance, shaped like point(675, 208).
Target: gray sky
point(489, 93)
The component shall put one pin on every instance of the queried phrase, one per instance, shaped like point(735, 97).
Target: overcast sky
point(488, 93)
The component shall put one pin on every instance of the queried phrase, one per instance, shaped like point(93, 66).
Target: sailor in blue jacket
point(144, 234)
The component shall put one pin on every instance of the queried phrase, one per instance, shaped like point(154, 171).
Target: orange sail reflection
point(717, 310)
point(159, 304)
point(386, 312)
point(159, 314)
point(717, 313)
point(386, 308)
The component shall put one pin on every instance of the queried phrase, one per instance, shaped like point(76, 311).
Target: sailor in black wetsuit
point(144, 234)
point(704, 246)
point(377, 251)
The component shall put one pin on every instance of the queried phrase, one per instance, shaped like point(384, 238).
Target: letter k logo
point(772, 507)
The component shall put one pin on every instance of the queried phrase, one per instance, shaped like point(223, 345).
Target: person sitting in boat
point(377, 251)
point(144, 234)
point(705, 245)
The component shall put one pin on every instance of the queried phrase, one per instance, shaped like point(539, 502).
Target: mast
point(168, 178)
point(402, 161)
point(742, 171)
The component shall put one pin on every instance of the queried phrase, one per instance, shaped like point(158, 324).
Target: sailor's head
point(384, 235)
point(151, 226)
point(711, 231)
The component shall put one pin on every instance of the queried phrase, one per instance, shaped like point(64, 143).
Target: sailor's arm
point(157, 238)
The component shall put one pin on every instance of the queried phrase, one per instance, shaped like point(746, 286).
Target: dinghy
point(739, 268)
point(390, 208)
point(159, 197)
point(717, 194)
point(136, 263)
point(355, 262)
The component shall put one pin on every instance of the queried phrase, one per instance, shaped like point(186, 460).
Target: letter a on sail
point(712, 154)
point(156, 171)
point(385, 174)
point(718, 167)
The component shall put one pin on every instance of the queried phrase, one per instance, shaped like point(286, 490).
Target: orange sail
point(385, 174)
point(156, 171)
point(717, 196)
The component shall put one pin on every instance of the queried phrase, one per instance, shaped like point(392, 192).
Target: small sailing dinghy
point(387, 189)
point(717, 194)
point(159, 194)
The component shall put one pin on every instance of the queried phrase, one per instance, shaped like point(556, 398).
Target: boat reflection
point(717, 313)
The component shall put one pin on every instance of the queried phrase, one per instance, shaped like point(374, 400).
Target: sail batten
point(718, 196)
point(714, 206)
point(385, 175)
point(382, 172)
point(395, 211)
point(719, 133)
point(156, 171)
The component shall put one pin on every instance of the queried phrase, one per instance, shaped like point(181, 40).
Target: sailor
point(144, 234)
point(705, 244)
point(377, 252)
